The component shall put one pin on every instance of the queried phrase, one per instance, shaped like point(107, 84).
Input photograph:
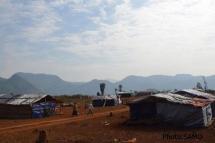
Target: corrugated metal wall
point(15, 111)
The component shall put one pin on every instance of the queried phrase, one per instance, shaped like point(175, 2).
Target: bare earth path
point(37, 124)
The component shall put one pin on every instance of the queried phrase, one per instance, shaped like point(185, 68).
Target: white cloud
point(81, 5)
point(161, 37)
point(158, 38)
point(30, 20)
point(44, 21)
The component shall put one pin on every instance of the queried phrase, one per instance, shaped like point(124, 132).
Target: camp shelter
point(210, 91)
point(106, 100)
point(193, 93)
point(26, 106)
point(172, 109)
point(144, 93)
point(124, 94)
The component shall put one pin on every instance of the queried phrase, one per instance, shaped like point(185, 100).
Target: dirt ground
point(66, 113)
point(99, 128)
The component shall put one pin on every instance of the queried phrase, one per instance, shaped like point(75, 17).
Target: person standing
point(75, 110)
point(90, 109)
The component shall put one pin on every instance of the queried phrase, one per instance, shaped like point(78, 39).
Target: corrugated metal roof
point(122, 92)
point(197, 93)
point(4, 98)
point(21, 99)
point(176, 98)
point(104, 97)
point(167, 96)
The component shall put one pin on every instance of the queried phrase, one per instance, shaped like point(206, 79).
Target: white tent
point(106, 100)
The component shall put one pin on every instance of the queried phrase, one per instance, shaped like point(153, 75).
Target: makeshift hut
point(172, 109)
point(144, 93)
point(193, 93)
point(106, 100)
point(124, 94)
point(211, 91)
point(26, 106)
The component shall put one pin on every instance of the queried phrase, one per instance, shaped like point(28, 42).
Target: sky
point(80, 40)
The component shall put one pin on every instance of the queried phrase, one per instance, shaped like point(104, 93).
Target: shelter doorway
point(143, 110)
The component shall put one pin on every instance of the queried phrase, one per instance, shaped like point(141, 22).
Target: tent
point(172, 109)
point(193, 93)
point(26, 105)
point(106, 100)
point(124, 94)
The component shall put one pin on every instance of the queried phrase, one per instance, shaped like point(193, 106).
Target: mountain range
point(20, 83)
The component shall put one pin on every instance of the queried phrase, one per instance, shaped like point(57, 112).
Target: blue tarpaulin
point(43, 109)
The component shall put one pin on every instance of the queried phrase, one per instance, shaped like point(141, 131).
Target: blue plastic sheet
point(40, 110)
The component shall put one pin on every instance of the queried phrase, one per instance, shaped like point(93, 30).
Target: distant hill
point(92, 87)
point(163, 82)
point(17, 84)
point(52, 84)
point(1, 79)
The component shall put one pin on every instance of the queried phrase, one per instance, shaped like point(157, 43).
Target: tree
point(98, 94)
point(205, 83)
point(115, 90)
point(102, 88)
point(120, 88)
point(199, 86)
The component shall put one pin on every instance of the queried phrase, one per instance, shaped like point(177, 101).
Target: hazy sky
point(80, 40)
